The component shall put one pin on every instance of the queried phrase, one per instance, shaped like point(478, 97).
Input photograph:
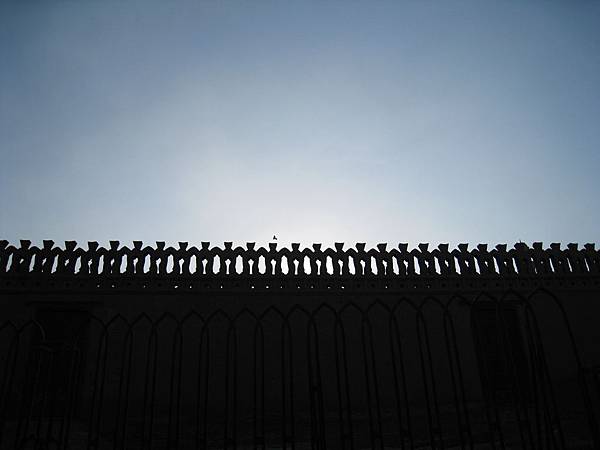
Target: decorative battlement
point(230, 261)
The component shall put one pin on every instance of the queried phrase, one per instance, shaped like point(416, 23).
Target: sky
point(326, 121)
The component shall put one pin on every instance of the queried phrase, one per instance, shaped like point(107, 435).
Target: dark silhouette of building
point(231, 347)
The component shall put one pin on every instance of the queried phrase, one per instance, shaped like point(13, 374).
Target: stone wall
point(384, 345)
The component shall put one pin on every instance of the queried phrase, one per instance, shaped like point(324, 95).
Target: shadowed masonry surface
point(231, 347)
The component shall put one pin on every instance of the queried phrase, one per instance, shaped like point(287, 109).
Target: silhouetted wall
point(361, 331)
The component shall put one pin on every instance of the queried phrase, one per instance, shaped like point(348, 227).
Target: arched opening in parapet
point(238, 264)
point(192, 264)
point(169, 265)
point(395, 266)
point(203, 265)
point(351, 267)
point(285, 266)
point(438, 267)
point(261, 265)
point(77, 265)
point(329, 264)
point(306, 264)
point(295, 266)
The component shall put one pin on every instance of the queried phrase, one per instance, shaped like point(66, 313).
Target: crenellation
point(503, 260)
point(314, 257)
point(358, 261)
point(484, 260)
point(592, 258)
point(576, 259)
point(422, 256)
point(558, 258)
point(444, 259)
point(329, 255)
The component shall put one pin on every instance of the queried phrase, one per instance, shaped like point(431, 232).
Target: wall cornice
point(214, 268)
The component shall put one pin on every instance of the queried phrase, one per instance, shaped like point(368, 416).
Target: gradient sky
point(371, 121)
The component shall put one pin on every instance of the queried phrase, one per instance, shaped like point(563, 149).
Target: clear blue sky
point(374, 121)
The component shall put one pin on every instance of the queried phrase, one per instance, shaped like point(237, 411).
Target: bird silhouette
point(274, 237)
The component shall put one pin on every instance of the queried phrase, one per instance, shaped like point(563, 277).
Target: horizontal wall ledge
point(265, 284)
